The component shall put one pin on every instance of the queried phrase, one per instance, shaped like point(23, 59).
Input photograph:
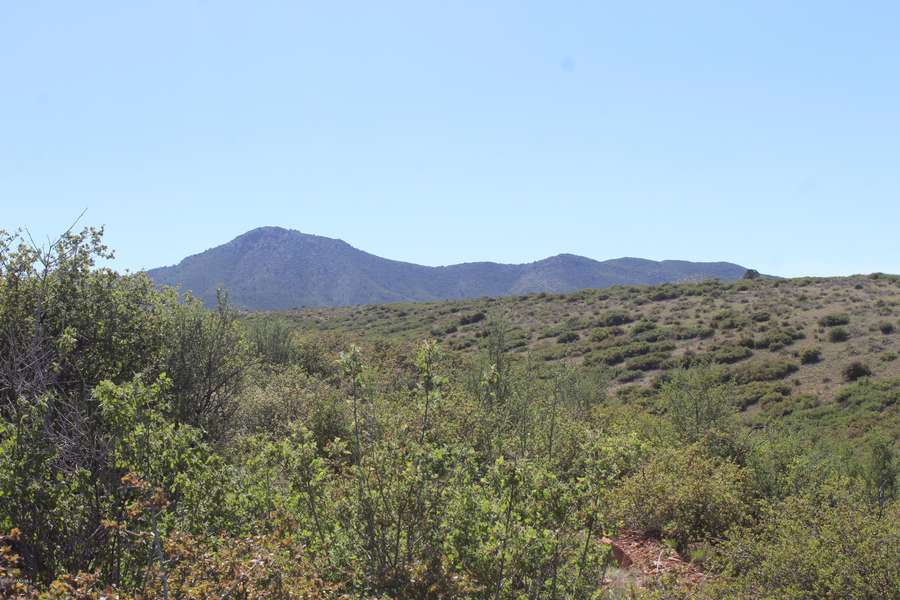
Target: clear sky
point(761, 132)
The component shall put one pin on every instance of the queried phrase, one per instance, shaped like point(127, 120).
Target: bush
point(567, 338)
point(731, 354)
point(613, 318)
point(642, 326)
point(856, 370)
point(886, 328)
point(685, 495)
point(617, 354)
point(696, 402)
point(832, 546)
point(839, 334)
point(272, 340)
point(834, 320)
point(647, 362)
point(764, 370)
point(598, 335)
point(764, 392)
point(810, 356)
point(874, 396)
point(472, 318)
point(775, 340)
point(629, 376)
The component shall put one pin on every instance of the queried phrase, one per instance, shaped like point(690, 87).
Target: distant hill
point(272, 268)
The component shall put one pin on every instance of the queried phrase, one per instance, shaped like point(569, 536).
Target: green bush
point(642, 326)
point(764, 370)
point(567, 338)
point(886, 328)
point(872, 395)
point(730, 354)
point(648, 362)
point(834, 320)
point(475, 317)
point(809, 356)
point(856, 370)
point(598, 335)
point(686, 495)
point(613, 318)
point(764, 392)
point(617, 354)
point(775, 340)
point(830, 545)
point(697, 401)
point(629, 376)
point(838, 334)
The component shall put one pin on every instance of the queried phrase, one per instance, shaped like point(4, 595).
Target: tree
point(207, 358)
point(880, 472)
point(698, 402)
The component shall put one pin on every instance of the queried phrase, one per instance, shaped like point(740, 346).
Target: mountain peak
point(270, 268)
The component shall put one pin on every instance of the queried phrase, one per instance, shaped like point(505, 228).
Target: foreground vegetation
point(152, 448)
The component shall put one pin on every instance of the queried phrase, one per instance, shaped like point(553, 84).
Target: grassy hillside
point(546, 447)
point(783, 341)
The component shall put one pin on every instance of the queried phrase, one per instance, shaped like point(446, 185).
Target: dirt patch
point(647, 559)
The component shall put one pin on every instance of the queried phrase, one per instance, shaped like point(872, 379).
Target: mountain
point(273, 268)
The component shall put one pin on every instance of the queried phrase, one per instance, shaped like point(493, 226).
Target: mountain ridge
point(273, 268)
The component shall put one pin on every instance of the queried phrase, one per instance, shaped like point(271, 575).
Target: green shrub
point(834, 320)
point(598, 335)
point(764, 370)
point(472, 318)
point(886, 328)
point(642, 326)
point(697, 401)
point(809, 356)
point(856, 370)
point(648, 362)
point(684, 494)
point(764, 392)
point(776, 340)
point(629, 376)
point(831, 545)
point(875, 396)
point(567, 338)
point(617, 354)
point(730, 354)
point(612, 318)
point(687, 333)
point(838, 334)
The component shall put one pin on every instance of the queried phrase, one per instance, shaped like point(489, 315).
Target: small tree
point(881, 470)
point(207, 359)
point(698, 402)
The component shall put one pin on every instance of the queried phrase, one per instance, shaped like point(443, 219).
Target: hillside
point(538, 446)
point(273, 268)
point(782, 340)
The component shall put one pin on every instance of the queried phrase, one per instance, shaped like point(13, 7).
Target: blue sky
point(764, 133)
